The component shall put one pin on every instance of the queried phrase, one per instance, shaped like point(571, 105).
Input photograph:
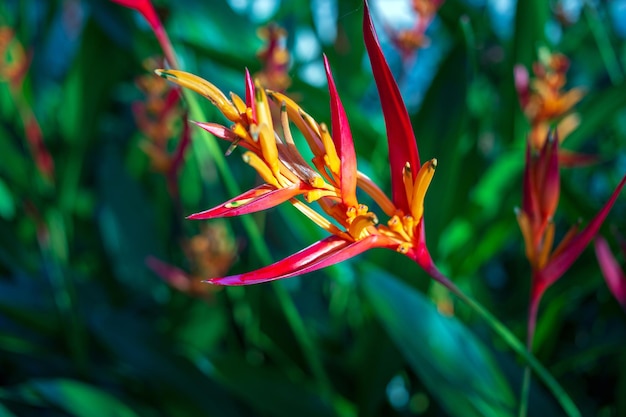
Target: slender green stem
point(530, 336)
point(561, 396)
point(523, 403)
point(501, 330)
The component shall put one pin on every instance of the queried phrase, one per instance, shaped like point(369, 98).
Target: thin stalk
point(530, 335)
point(523, 402)
point(501, 330)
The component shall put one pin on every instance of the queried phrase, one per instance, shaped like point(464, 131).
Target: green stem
point(523, 403)
point(559, 393)
point(501, 330)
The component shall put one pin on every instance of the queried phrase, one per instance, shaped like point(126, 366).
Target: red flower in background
point(540, 200)
point(611, 271)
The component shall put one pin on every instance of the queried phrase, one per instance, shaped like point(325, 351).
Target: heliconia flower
point(545, 104)
point(275, 58)
point(613, 275)
point(331, 180)
point(535, 218)
point(14, 65)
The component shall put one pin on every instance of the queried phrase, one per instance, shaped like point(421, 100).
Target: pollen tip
point(164, 73)
point(434, 162)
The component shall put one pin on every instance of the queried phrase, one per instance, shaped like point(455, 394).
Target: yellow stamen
point(268, 147)
point(239, 130)
point(396, 226)
point(263, 114)
point(366, 184)
point(315, 195)
point(205, 88)
point(360, 225)
point(409, 226)
point(422, 181)
point(303, 121)
point(240, 105)
point(526, 229)
point(331, 159)
point(284, 122)
point(317, 218)
point(261, 167)
point(548, 240)
point(403, 248)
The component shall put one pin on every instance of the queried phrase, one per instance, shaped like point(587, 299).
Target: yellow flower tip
point(317, 182)
point(315, 195)
point(546, 246)
point(359, 227)
point(403, 248)
point(261, 168)
point(526, 228)
point(331, 158)
point(422, 181)
point(240, 105)
point(204, 88)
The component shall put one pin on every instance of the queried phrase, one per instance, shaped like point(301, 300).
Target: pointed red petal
point(529, 198)
point(319, 255)
point(260, 198)
point(522, 84)
point(571, 159)
point(556, 267)
point(550, 181)
point(221, 132)
point(400, 136)
point(169, 273)
point(342, 138)
point(146, 9)
point(250, 95)
point(613, 274)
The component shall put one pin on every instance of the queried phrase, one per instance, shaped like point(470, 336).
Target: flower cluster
point(546, 104)
point(331, 179)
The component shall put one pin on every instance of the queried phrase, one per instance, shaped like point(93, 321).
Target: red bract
point(331, 180)
point(146, 9)
point(613, 274)
point(541, 194)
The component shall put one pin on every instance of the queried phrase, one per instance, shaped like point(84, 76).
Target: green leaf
point(453, 363)
point(7, 205)
point(76, 398)
point(4, 412)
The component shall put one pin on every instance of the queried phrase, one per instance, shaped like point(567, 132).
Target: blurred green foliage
point(88, 329)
